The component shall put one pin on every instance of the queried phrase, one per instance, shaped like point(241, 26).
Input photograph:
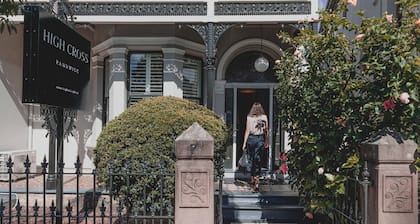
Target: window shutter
point(146, 76)
point(191, 84)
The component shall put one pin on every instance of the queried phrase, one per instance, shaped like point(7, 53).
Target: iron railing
point(218, 202)
point(353, 205)
point(28, 200)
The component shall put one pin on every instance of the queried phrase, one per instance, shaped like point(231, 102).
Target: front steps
point(274, 204)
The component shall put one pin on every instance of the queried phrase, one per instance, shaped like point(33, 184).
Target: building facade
point(219, 53)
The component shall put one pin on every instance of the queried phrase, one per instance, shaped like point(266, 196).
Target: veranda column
point(210, 33)
point(98, 74)
point(173, 63)
point(194, 170)
point(393, 193)
point(117, 81)
point(97, 99)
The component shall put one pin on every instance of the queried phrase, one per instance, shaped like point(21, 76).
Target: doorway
point(239, 98)
point(246, 97)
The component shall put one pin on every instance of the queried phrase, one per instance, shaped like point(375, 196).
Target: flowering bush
point(335, 92)
point(284, 168)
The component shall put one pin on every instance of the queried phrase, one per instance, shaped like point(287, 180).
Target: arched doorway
point(244, 86)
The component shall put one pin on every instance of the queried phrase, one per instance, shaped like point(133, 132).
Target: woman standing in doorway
point(255, 140)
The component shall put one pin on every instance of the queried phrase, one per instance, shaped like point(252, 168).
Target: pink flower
point(277, 62)
point(389, 104)
point(388, 18)
point(283, 157)
point(321, 170)
point(418, 22)
point(309, 215)
point(315, 20)
point(352, 2)
point(284, 168)
point(404, 98)
point(359, 36)
point(340, 121)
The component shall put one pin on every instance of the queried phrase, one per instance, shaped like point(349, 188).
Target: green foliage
point(332, 91)
point(145, 136)
point(8, 8)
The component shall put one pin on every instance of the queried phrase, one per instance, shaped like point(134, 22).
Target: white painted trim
point(270, 48)
point(106, 19)
point(186, 1)
point(145, 43)
point(193, 19)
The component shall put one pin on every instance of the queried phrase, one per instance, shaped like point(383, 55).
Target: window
point(146, 76)
point(191, 82)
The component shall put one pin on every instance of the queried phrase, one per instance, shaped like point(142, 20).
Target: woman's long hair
point(256, 110)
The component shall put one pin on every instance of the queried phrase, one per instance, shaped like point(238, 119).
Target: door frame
point(237, 85)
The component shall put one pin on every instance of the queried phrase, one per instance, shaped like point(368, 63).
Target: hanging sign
point(56, 61)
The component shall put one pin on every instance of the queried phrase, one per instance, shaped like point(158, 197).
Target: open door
point(239, 98)
point(246, 97)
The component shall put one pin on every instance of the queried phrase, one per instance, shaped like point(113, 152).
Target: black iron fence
point(353, 205)
point(27, 199)
point(218, 199)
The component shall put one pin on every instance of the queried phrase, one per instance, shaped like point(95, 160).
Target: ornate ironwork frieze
point(230, 8)
point(139, 8)
point(211, 32)
point(234, 8)
point(50, 120)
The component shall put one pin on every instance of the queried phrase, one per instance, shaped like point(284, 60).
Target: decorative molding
point(398, 194)
point(173, 69)
point(234, 8)
point(194, 190)
point(117, 67)
point(201, 29)
point(49, 113)
point(139, 8)
point(204, 29)
point(219, 29)
point(211, 33)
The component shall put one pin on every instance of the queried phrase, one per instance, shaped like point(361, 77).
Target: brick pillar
point(393, 193)
point(194, 187)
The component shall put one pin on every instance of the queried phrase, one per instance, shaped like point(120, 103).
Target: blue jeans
point(255, 146)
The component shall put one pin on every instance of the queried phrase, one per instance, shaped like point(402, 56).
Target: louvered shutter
point(191, 84)
point(146, 76)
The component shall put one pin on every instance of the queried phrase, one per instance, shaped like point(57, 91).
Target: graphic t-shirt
point(257, 124)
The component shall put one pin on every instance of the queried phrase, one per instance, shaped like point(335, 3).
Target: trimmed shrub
point(143, 138)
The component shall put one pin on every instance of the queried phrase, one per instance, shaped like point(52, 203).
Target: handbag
point(244, 161)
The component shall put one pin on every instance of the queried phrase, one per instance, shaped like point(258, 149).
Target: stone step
point(273, 214)
point(274, 204)
point(260, 199)
point(261, 222)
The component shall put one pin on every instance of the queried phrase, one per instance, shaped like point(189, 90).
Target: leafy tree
point(336, 92)
point(8, 8)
